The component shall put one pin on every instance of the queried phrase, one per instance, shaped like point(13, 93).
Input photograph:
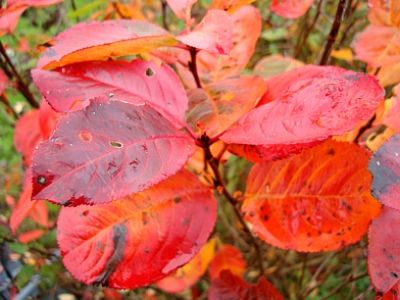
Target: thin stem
point(304, 37)
point(164, 14)
point(339, 287)
point(340, 12)
point(363, 129)
point(9, 109)
point(193, 66)
point(21, 84)
point(219, 184)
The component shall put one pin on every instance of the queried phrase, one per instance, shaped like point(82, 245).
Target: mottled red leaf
point(229, 258)
point(231, 287)
point(316, 103)
point(385, 167)
point(315, 201)
point(137, 82)
point(92, 41)
point(218, 105)
point(384, 250)
point(105, 152)
point(213, 33)
point(291, 9)
point(139, 239)
point(186, 276)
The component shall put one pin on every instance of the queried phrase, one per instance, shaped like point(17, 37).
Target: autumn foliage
point(139, 123)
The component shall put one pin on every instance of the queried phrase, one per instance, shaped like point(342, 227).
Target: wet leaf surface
point(105, 152)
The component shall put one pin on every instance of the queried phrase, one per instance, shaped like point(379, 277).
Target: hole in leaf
point(85, 136)
point(149, 72)
point(41, 180)
point(116, 144)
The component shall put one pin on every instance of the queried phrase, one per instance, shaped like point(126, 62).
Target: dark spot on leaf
point(147, 250)
point(116, 144)
point(394, 275)
point(177, 200)
point(85, 213)
point(331, 151)
point(145, 218)
point(85, 136)
point(186, 221)
point(149, 72)
point(119, 240)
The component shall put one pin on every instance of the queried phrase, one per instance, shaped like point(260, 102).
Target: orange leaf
point(102, 40)
point(229, 258)
point(220, 104)
point(190, 273)
point(315, 201)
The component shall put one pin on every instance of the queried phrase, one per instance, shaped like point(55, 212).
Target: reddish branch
point(9, 109)
point(164, 14)
point(22, 87)
point(205, 142)
point(340, 12)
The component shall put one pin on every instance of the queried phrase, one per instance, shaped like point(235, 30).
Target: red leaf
point(181, 8)
point(260, 153)
point(3, 81)
point(385, 51)
point(27, 134)
point(231, 287)
point(186, 276)
point(392, 294)
point(92, 41)
point(31, 128)
point(136, 82)
point(316, 103)
point(246, 29)
point(291, 9)
point(385, 167)
point(30, 236)
point(25, 207)
point(140, 239)
point(10, 14)
point(106, 152)
point(318, 200)
point(384, 250)
point(213, 34)
point(229, 258)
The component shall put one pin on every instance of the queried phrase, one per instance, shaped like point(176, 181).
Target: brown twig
point(193, 66)
point(204, 142)
point(8, 107)
point(22, 87)
point(364, 128)
point(164, 20)
point(340, 12)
